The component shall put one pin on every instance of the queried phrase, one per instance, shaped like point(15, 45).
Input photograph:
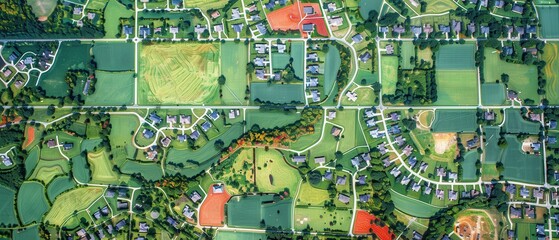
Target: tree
point(315, 177)
point(221, 80)
point(410, 124)
point(50, 110)
point(339, 155)
point(219, 144)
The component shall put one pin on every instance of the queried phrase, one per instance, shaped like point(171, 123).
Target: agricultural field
point(551, 71)
point(234, 55)
point(251, 211)
point(114, 56)
point(456, 73)
point(311, 196)
point(455, 121)
point(412, 206)
point(270, 119)
point(30, 233)
point(71, 201)
point(58, 186)
point(31, 202)
point(46, 170)
point(150, 171)
point(320, 219)
point(549, 16)
point(520, 166)
point(493, 94)
point(42, 8)
point(273, 173)
point(277, 93)
point(167, 77)
point(514, 123)
point(7, 211)
point(101, 168)
point(118, 85)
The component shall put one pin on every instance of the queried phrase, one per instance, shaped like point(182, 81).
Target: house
point(328, 175)
point(336, 21)
point(535, 146)
point(154, 118)
point(440, 194)
point(389, 49)
point(519, 29)
point(400, 140)
point(199, 29)
point(484, 30)
point(407, 150)
point(427, 190)
point(412, 161)
point(530, 212)
point(312, 57)
point(299, 159)
point(357, 38)
point(260, 61)
point(362, 180)
point(187, 212)
point(355, 162)
point(218, 28)
point(386, 162)
point(171, 119)
point(456, 26)
point(499, 3)
point(67, 146)
point(206, 126)
point(308, 27)
point(405, 181)
point(260, 74)
point(472, 27)
point(395, 172)
point(123, 192)
point(375, 133)
point(97, 215)
point(122, 205)
point(7, 161)
point(195, 196)
point(308, 10)
point(261, 28)
point(531, 29)
point(331, 114)
point(371, 122)
point(452, 196)
point(100, 233)
point(512, 95)
point(110, 228)
point(143, 228)
point(423, 167)
point(399, 29)
point(552, 124)
point(364, 197)
point(235, 13)
point(369, 113)
point(336, 131)
point(331, 6)
point(489, 115)
point(194, 135)
point(517, 8)
point(472, 143)
point(416, 30)
point(427, 28)
point(145, 31)
point(78, 11)
point(551, 139)
point(237, 27)
point(148, 133)
point(82, 233)
point(281, 47)
point(414, 3)
point(441, 172)
point(166, 141)
point(484, 3)
point(382, 148)
point(13, 57)
point(174, 29)
point(343, 198)
point(217, 188)
point(215, 14)
point(524, 192)
point(515, 212)
point(341, 180)
point(394, 116)
point(315, 94)
point(395, 129)
point(312, 81)
point(352, 96)
point(538, 193)
point(105, 210)
point(511, 189)
point(540, 231)
point(365, 57)
point(320, 160)
point(234, 113)
point(452, 176)
point(261, 48)
point(383, 29)
point(444, 28)
point(251, 8)
point(172, 222)
point(313, 69)
point(417, 235)
point(110, 193)
point(270, 5)
point(416, 187)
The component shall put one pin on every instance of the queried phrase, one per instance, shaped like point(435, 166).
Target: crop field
point(439, 6)
point(234, 55)
point(456, 87)
point(309, 195)
point(320, 219)
point(59, 185)
point(101, 167)
point(270, 119)
point(352, 135)
point(277, 93)
point(122, 126)
point(331, 66)
point(179, 73)
point(251, 210)
point(79, 169)
point(456, 57)
point(71, 201)
point(551, 70)
point(274, 174)
point(549, 16)
point(30, 233)
point(118, 85)
point(522, 78)
point(514, 123)
point(455, 121)
point(363, 226)
point(228, 235)
point(469, 166)
point(45, 170)
point(31, 202)
point(42, 8)
point(520, 166)
point(114, 56)
point(297, 53)
point(366, 6)
point(493, 94)
point(412, 206)
point(407, 51)
point(205, 4)
point(150, 171)
point(31, 161)
point(113, 12)
point(7, 212)
point(212, 210)
point(492, 151)
point(97, 4)
point(389, 74)
point(71, 55)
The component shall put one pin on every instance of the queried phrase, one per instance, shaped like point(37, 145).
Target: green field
point(150, 171)
point(59, 185)
point(389, 74)
point(514, 123)
point(520, 166)
point(277, 93)
point(493, 94)
point(280, 60)
point(309, 195)
point(492, 151)
point(227, 235)
point(352, 135)
point(71, 55)
point(97, 4)
point(47, 170)
point(71, 201)
point(274, 174)
point(331, 66)
point(118, 85)
point(80, 170)
point(31, 161)
point(270, 119)
point(113, 12)
point(413, 206)
point(31, 202)
point(455, 121)
point(30, 233)
point(42, 8)
point(319, 219)
point(179, 73)
point(101, 167)
point(407, 50)
point(114, 56)
point(7, 211)
point(249, 211)
point(522, 78)
point(366, 6)
point(439, 6)
point(234, 55)
point(297, 53)
point(456, 57)
point(457, 87)
point(469, 166)
point(551, 70)
point(549, 16)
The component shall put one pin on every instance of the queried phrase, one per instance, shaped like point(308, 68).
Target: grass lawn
point(522, 78)
point(493, 94)
point(520, 166)
point(7, 211)
point(469, 166)
point(455, 121)
point(114, 11)
point(549, 16)
point(273, 174)
point(179, 73)
point(456, 87)
point(30, 233)
point(31, 202)
point(71, 55)
point(319, 219)
point(233, 57)
point(389, 74)
point(413, 206)
point(270, 119)
point(311, 196)
point(277, 93)
point(456, 57)
point(80, 170)
point(150, 171)
point(352, 135)
point(118, 85)
point(492, 151)
point(111, 56)
point(407, 50)
point(439, 6)
point(331, 66)
point(31, 161)
point(297, 51)
point(227, 235)
point(101, 167)
point(71, 201)
point(514, 123)
point(251, 210)
point(551, 71)
point(47, 170)
point(59, 185)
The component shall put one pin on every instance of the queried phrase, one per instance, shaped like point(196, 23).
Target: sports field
point(456, 75)
point(212, 210)
point(522, 78)
point(113, 12)
point(30, 233)
point(101, 167)
point(118, 85)
point(274, 174)
point(520, 166)
point(514, 123)
point(549, 16)
point(7, 211)
point(31, 202)
point(389, 74)
point(42, 8)
point(228, 235)
point(492, 151)
point(71, 55)
point(277, 93)
point(551, 70)
point(309, 195)
point(112, 56)
point(492, 94)
point(364, 226)
point(333, 62)
point(291, 18)
point(233, 57)
point(320, 219)
point(412, 206)
point(407, 50)
point(469, 166)
point(71, 201)
point(150, 171)
point(179, 73)
point(455, 121)
point(250, 211)
point(59, 185)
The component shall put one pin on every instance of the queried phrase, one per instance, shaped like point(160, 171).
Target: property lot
point(7, 211)
point(114, 56)
point(71, 55)
point(212, 210)
point(389, 74)
point(277, 93)
point(492, 94)
point(456, 75)
point(259, 211)
point(273, 173)
point(514, 123)
point(520, 166)
point(233, 59)
point(118, 85)
point(455, 121)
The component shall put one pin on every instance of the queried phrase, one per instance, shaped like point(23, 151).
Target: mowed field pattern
point(183, 73)
point(551, 52)
point(456, 75)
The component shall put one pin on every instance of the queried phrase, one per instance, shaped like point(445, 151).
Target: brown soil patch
point(469, 227)
point(42, 18)
point(443, 141)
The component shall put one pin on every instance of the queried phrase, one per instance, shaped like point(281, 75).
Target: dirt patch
point(212, 211)
point(366, 223)
point(29, 137)
point(293, 18)
point(443, 141)
point(42, 18)
point(469, 227)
